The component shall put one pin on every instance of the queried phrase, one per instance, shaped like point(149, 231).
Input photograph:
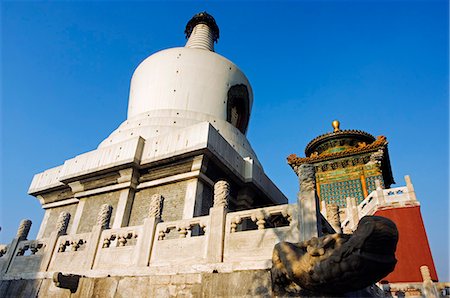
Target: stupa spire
point(201, 32)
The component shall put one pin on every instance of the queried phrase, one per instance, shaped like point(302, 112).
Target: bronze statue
point(338, 263)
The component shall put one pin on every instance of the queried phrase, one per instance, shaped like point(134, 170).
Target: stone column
point(193, 198)
point(126, 197)
point(77, 217)
point(218, 214)
point(43, 224)
point(333, 217)
point(308, 204)
point(149, 229)
point(429, 288)
point(103, 220)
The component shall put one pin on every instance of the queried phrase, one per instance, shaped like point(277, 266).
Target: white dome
point(187, 79)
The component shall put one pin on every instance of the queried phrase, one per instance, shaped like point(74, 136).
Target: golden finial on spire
point(335, 125)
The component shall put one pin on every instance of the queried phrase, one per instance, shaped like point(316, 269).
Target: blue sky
point(378, 66)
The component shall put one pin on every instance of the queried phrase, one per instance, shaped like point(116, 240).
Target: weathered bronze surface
point(338, 263)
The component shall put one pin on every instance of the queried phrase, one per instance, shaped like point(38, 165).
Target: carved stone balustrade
point(392, 197)
point(188, 235)
point(272, 216)
point(122, 245)
point(251, 234)
point(71, 252)
point(28, 256)
point(230, 239)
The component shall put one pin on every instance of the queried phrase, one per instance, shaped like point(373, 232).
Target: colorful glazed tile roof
point(381, 141)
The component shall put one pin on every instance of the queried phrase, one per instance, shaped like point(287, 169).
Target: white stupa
point(179, 87)
point(188, 113)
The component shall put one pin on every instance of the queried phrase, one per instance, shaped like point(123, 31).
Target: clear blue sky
point(378, 66)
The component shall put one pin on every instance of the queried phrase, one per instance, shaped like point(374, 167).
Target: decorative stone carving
point(307, 177)
point(24, 229)
point(104, 216)
point(162, 233)
point(62, 246)
point(107, 240)
point(222, 191)
point(259, 218)
point(338, 263)
point(123, 238)
point(62, 223)
point(183, 230)
point(21, 250)
point(33, 246)
point(3, 250)
point(77, 244)
point(156, 202)
point(234, 223)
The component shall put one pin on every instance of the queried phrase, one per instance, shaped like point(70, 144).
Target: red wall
point(413, 250)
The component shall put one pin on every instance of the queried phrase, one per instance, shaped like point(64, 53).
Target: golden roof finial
point(335, 125)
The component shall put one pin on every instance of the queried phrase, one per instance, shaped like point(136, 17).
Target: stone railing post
point(104, 216)
point(429, 288)
point(23, 230)
point(61, 229)
point(63, 223)
point(352, 212)
point(103, 221)
point(308, 204)
point(149, 229)
point(410, 187)
point(217, 214)
point(379, 191)
point(22, 234)
point(333, 217)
